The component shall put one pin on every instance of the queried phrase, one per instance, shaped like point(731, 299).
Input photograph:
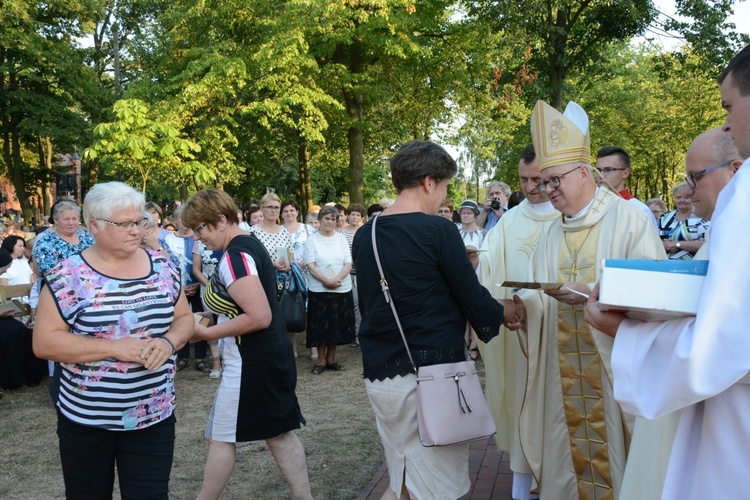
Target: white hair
point(64, 206)
point(104, 199)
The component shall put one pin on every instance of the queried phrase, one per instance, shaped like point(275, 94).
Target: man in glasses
point(505, 255)
point(701, 365)
point(613, 164)
point(710, 163)
point(572, 431)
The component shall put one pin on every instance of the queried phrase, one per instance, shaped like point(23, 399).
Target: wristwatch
point(678, 245)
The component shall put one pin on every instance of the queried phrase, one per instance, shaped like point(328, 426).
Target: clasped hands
point(282, 265)
point(152, 353)
point(332, 283)
point(514, 313)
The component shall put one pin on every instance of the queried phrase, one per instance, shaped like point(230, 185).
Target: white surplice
point(700, 365)
point(506, 254)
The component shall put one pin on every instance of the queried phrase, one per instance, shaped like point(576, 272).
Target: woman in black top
point(435, 291)
point(256, 398)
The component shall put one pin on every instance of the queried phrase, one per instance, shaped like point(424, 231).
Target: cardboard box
point(652, 290)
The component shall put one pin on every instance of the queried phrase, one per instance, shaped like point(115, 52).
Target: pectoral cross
point(575, 269)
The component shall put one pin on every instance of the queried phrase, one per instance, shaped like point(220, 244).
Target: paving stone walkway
point(489, 470)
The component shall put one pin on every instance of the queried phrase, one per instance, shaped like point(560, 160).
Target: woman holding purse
point(436, 291)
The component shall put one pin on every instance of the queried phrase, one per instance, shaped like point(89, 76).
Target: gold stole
point(581, 371)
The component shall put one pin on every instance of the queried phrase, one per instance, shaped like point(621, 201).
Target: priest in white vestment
point(506, 253)
point(710, 163)
point(572, 431)
point(701, 365)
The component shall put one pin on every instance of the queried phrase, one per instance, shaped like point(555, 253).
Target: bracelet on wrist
point(170, 345)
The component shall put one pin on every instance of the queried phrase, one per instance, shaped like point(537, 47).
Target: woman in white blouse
point(330, 311)
point(19, 272)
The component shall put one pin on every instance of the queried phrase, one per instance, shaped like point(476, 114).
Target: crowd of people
point(589, 404)
point(153, 286)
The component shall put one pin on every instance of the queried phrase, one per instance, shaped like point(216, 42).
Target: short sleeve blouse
point(112, 394)
point(271, 241)
point(50, 248)
point(328, 252)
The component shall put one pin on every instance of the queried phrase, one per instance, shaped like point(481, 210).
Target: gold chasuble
point(581, 372)
point(573, 434)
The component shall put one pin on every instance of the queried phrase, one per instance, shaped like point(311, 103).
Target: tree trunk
point(17, 175)
point(352, 56)
point(355, 137)
point(116, 60)
point(557, 58)
point(305, 185)
point(11, 122)
point(46, 195)
point(45, 150)
point(556, 83)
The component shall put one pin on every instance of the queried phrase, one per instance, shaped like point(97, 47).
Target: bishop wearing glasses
point(572, 431)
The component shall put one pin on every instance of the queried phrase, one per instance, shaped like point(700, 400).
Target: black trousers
point(89, 455)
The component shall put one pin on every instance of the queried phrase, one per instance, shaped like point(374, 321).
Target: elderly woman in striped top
point(113, 316)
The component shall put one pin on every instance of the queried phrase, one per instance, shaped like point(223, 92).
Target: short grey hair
point(503, 187)
point(106, 198)
point(328, 210)
point(64, 206)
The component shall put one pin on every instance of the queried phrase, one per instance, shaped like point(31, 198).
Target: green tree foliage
point(311, 97)
point(43, 81)
point(566, 36)
point(384, 61)
point(140, 141)
point(246, 87)
point(653, 114)
point(704, 26)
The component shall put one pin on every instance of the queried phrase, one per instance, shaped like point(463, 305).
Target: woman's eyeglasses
point(140, 223)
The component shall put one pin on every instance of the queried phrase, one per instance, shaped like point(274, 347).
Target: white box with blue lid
point(652, 290)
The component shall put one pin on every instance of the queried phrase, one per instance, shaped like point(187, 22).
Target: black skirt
point(18, 365)
point(330, 318)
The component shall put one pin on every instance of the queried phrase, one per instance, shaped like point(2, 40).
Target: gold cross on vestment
point(574, 269)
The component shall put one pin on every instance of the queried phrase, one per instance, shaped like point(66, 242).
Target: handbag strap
point(387, 292)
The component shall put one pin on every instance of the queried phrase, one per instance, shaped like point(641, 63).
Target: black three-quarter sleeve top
point(434, 288)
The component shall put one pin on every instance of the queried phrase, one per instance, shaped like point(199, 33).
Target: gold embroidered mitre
point(560, 138)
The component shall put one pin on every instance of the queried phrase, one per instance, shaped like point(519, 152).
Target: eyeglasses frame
point(693, 179)
point(555, 180)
